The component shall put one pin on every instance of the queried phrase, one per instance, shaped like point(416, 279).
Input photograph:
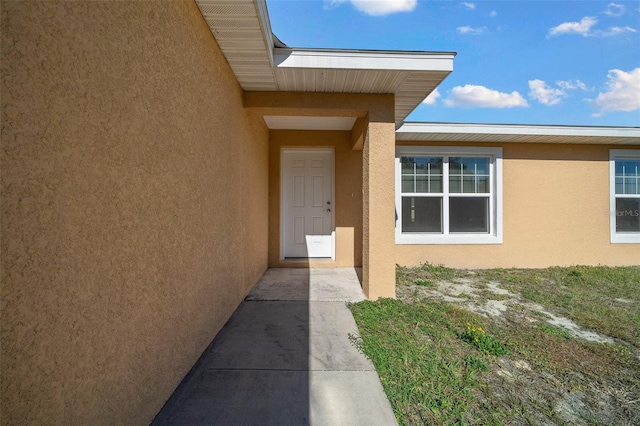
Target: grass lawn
point(516, 346)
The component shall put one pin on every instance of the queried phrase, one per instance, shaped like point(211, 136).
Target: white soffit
point(243, 32)
point(276, 122)
point(411, 76)
point(513, 133)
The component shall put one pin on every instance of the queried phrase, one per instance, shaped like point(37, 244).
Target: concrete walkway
point(284, 358)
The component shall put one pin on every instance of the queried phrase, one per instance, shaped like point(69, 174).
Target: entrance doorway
point(307, 209)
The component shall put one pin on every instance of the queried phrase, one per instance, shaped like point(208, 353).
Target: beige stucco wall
point(555, 213)
point(378, 203)
point(125, 242)
point(348, 194)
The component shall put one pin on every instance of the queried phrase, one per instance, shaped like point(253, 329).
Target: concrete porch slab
point(284, 358)
point(319, 284)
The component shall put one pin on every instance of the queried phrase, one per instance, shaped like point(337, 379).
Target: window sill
point(423, 239)
point(625, 238)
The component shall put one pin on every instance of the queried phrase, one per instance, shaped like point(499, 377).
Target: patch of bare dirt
point(489, 300)
point(545, 380)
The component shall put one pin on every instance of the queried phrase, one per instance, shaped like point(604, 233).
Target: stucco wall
point(127, 238)
point(374, 122)
point(555, 212)
point(378, 211)
point(348, 194)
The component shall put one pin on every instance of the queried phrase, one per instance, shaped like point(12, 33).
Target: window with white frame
point(448, 195)
point(624, 178)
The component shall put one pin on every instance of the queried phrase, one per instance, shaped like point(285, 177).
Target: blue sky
point(529, 62)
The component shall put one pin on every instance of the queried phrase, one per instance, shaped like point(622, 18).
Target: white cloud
point(493, 14)
point(472, 96)
point(330, 4)
point(583, 27)
point(614, 31)
point(377, 7)
point(472, 31)
point(547, 95)
point(623, 92)
point(432, 99)
point(614, 10)
point(570, 85)
point(543, 93)
point(468, 5)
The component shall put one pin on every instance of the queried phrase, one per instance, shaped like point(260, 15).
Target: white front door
point(307, 203)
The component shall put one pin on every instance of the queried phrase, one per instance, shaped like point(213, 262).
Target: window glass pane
point(455, 184)
point(428, 184)
point(408, 184)
point(429, 165)
point(627, 177)
point(469, 165)
point(475, 166)
point(422, 214)
point(435, 184)
point(469, 214)
point(627, 167)
point(627, 215)
point(425, 171)
point(468, 185)
point(482, 166)
point(619, 167)
point(422, 183)
point(630, 186)
point(455, 166)
point(483, 185)
point(468, 175)
point(421, 165)
point(408, 165)
point(619, 186)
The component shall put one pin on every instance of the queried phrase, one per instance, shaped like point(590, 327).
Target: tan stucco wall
point(348, 194)
point(378, 206)
point(127, 238)
point(374, 134)
point(555, 213)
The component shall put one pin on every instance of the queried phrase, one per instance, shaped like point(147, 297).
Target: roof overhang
point(411, 76)
point(514, 133)
point(261, 63)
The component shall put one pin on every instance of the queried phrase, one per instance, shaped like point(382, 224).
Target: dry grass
point(573, 336)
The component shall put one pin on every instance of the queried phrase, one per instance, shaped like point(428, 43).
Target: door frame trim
point(287, 150)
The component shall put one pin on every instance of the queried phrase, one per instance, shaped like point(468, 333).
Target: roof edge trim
point(363, 59)
point(265, 25)
point(519, 129)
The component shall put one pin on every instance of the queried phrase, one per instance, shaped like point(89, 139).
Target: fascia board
point(518, 130)
point(365, 60)
point(265, 25)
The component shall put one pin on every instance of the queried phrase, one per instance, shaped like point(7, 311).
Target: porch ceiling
point(509, 133)
point(276, 122)
point(261, 63)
